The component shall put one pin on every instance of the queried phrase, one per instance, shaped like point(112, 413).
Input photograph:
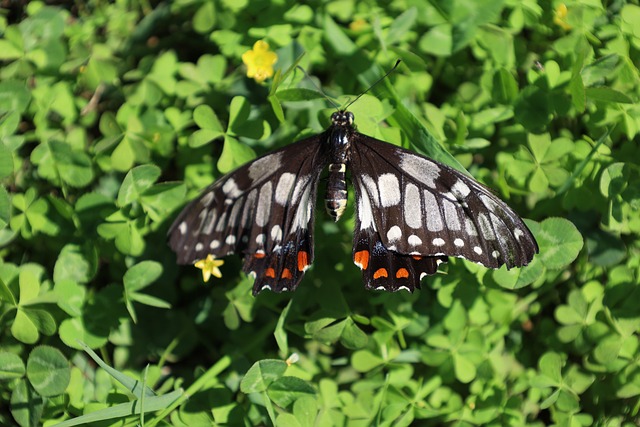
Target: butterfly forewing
point(264, 209)
point(424, 208)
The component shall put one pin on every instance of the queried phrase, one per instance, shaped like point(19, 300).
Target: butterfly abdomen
point(339, 140)
point(336, 196)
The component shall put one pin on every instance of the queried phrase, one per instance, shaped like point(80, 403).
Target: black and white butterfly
point(412, 213)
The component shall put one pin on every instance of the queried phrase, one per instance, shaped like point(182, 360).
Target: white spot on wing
point(485, 227)
point(207, 198)
point(199, 247)
point(438, 241)
point(283, 189)
point(182, 228)
point(432, 211)
point(414, 240)
point(470, 228)
point(518, 234)
point(215, 244)
point(210, 222)
point(249, 206)
point(301, 182)
point(460, 190)
point(230, 240)
point(276, 233)
point(478, 250)
point(372, 188)
point(394, 233)
point(389, 189)
point(365, 214)
point(230, 188)
point(451, 215)
point(264, 205)
point(261, 168)
point(412, 206)
point(303, 213)
point(420, 169)
point(459, 243)
point(404, 288)
point(495, 254)
point(261, 238)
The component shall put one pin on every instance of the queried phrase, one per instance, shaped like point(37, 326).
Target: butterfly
point(412, 213)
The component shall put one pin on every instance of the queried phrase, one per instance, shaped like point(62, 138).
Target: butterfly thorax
point(339, 140)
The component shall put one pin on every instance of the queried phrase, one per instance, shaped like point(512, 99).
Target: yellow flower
point(209, 266)
point(358, 24)
point(259, 61)
point(559, 16)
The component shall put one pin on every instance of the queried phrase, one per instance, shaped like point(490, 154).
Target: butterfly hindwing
point(424, 208)
point(264, 209)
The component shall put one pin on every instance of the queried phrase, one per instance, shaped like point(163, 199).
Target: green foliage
point(113, 115)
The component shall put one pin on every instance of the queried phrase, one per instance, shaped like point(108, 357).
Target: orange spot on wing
point(381, 272)
point(270, 272)
point(402, 273)
point(303, 260)
point(286, 274)
point(259, 255)
point(417, 257)
point(361, 259)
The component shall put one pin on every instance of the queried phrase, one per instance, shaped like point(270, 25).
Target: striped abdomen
point(336, 195)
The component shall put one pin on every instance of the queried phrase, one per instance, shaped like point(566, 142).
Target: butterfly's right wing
point(264, 209)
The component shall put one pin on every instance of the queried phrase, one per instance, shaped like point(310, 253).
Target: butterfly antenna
point(376, 82)
point(318, 88)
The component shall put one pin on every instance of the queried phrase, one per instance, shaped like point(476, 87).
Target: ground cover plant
point(114, 114)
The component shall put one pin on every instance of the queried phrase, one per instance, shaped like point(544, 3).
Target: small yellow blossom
point(358, 24)
point(209, 266)
point(259, 61)
point(559, 16)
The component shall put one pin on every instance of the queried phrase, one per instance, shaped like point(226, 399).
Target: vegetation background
point(114, 114)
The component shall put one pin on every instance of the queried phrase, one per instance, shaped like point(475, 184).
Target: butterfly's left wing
point(410, 205)
point(264, 210)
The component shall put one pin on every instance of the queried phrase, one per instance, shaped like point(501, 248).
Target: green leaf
point(26, 405)
point(550, 365)
point(607, 95)
point(365, 361)
point(401, 25)
point(205, 18)
point(136, 182)
point(11, 366)
point(261, 375)
point(298, 94)
point(58, 160)
point(73, 265)
point(70, 296)
point(438, 41)
point(280, 334)
point(6, 162)
point(352, 336)
point(305, 410)
point(600, 70)
point(122, 410)
point(531, 108)
point(286, 390)
point(234, 154)
point(505, 87)
point(559, 241)
point(239, 110)
point(14, 96)
point(48, 371)
point(142, 275)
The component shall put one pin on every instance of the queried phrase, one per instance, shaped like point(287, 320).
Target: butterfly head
point(342, 118)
